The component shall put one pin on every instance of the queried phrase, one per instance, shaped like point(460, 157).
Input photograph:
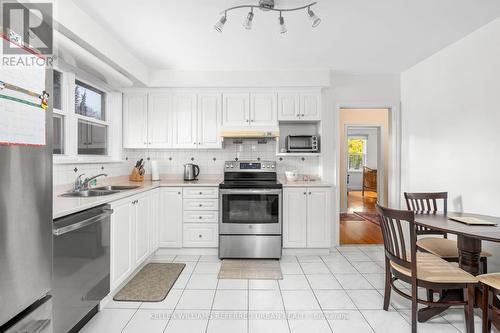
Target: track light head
point(220, 24)
point(282, 24)
point(314, 19)
point(248, 21)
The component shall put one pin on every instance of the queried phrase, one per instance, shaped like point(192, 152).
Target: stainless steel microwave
point(302, 143)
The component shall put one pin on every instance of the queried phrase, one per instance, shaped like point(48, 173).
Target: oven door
point(250, 211)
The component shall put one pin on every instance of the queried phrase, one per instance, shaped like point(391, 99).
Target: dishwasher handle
point(105, 212)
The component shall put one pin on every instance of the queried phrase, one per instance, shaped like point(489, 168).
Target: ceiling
point(361, 36)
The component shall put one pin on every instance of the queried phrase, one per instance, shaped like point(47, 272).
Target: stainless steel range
point(250, 222)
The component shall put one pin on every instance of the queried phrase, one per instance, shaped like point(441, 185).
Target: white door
point(121, 242)
point(141, 228)
point(135, 120)
point(294, 217)
point(154, 219)
point(288, 106)
point(318, 217)
point(235, 110)
point(184, 111)
point(170, 224)
point(159, 120)
point(263, 109)
point(310, 106)
point(209, 120)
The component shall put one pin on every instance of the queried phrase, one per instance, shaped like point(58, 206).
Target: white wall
point(451, 118)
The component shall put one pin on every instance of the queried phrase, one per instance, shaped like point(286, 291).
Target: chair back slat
point(426, 203)
point(396, 248)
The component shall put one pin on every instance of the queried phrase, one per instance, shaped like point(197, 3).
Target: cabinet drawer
point(200, 235)
point(201, 204)
point(201, 192)
point(201, 216)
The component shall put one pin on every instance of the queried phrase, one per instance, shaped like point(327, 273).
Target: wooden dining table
point(469, 242)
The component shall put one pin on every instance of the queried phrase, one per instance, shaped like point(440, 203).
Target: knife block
point(135, 176)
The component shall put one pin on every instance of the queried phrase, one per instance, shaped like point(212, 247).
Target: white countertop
point(63, 206)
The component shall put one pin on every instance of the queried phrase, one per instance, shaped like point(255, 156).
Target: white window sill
point(355, 171)
point(83, 160)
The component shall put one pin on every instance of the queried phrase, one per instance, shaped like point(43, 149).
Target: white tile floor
point(339, 292)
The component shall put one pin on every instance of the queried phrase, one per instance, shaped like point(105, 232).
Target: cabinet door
point(209, 120)
point(159, 120)
point(154, 220)
point(135, 120)
point(121, 243)
point(170, 225)
point(141, 228)
point(288, 106)
point(294, 217)
point(184, 111)
point(263, 109)
point(236, 110)
point(310, 106)
point(318, 217)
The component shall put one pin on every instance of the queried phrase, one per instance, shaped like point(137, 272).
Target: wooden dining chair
point(419, 269)
point(490, 284)
point(427, 203)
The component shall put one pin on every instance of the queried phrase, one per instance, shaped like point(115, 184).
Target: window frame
point(363, 155)
point(71, 118)
point(63, 114)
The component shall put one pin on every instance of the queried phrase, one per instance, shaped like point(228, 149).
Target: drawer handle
point(201, 205)
point(200, 217)
point(201, 193)
point(200, 236)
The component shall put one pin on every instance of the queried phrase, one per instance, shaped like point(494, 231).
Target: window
point(58, 116)
point(357, 153)
point(92, 125)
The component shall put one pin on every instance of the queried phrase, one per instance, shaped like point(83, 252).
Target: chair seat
point(431, 268)
point(442, 247)
point(492, 280)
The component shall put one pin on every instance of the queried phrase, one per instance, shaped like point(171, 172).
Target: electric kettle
point(191, 171)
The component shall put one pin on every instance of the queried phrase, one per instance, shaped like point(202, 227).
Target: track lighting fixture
point(268, 5)
point(220, 24)
point(282, 24)
point(314, 19)
point(248, 21)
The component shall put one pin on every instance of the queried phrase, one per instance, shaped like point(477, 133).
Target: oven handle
point(250, 191)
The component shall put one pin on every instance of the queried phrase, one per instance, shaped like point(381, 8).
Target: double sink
point(98, 191)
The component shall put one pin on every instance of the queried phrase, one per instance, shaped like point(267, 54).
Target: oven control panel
point(250, 166)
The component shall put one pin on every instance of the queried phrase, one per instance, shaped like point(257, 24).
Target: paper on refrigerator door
point(22, 119)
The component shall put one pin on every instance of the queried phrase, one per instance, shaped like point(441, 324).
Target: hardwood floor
point(355, 230)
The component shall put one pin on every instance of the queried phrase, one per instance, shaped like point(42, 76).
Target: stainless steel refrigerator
point(26, 233)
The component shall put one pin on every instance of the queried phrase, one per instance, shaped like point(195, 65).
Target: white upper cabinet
point(159, 120)
point(236, 109)
point(310, 106)
point(135, 120)
point(209, 120)
point(263, 109)
point(288, 106)
point(185, 121)
point(299, 106)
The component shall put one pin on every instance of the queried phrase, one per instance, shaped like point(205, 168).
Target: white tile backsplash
point(210, 161)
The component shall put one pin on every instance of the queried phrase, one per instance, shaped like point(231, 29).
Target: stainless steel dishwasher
point(81, 266)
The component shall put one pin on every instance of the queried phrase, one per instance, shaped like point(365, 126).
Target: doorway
point(363, 173)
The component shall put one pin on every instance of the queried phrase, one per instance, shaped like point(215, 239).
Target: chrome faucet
point(82, 185)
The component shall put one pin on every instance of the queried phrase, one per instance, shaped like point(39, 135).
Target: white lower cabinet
point(200, 235)
point(130, 232)
point(170, 223)
point(306, 217)
point(201, 217)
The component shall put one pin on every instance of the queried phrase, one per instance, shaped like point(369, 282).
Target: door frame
point(380, 161)
point(394, 155)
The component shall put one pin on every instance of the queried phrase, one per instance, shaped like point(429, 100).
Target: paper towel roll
point(155, 171)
